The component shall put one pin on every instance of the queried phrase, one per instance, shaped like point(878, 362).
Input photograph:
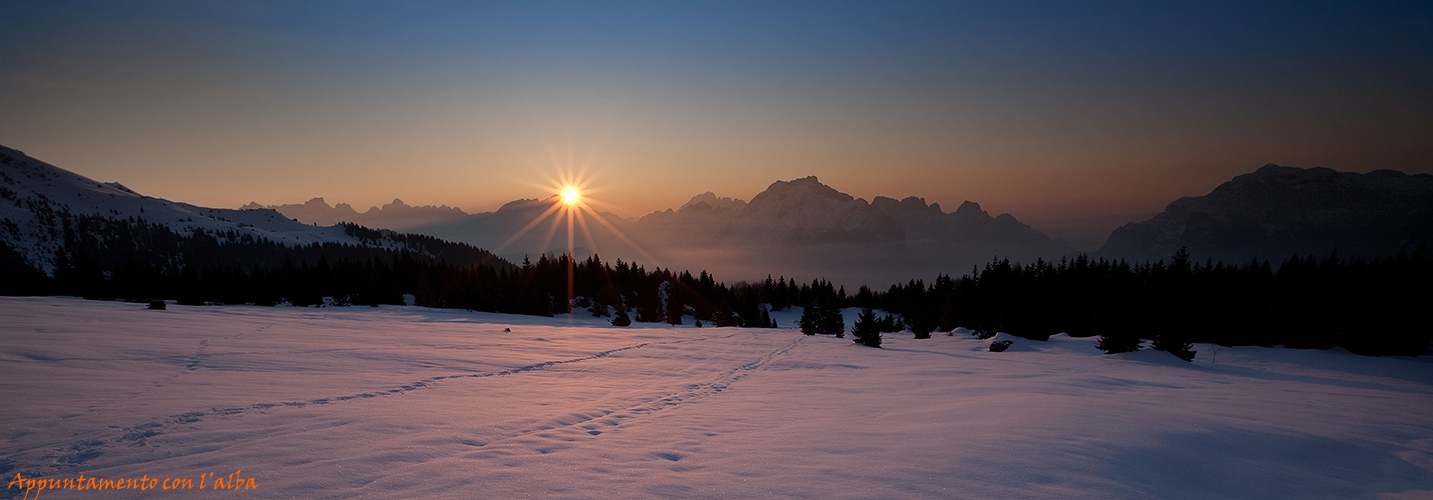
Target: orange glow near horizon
point(571, 205)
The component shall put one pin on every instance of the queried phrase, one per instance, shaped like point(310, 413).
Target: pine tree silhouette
point(865, 329)
point(1115, 343)
point(808, 320)
point(621, 319)
point(1169, 342)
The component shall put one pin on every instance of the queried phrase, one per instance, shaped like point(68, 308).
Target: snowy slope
point(407, 402)
point(37, 197)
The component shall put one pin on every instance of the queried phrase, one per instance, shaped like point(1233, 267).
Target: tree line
point(1368, 306)
point(132, 259)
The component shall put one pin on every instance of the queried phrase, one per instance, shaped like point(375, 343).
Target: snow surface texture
point(408, 402)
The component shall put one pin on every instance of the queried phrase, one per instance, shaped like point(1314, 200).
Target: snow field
point(409, 402)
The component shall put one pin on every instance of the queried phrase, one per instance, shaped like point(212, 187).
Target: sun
point(572, 208)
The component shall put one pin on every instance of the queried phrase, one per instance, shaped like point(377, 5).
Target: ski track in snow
point(72, 453)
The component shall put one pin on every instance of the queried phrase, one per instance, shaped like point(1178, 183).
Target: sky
point(1050, 111)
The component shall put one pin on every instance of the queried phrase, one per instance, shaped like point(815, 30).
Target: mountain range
point(799, 228)
point(397, 216)
point(1278, 211)
point(809, 229)
point(805, 228)
point(41, 205)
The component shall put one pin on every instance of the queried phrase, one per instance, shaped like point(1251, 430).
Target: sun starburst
point(572, 206)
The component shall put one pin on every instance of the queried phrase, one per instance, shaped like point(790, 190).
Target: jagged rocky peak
point(805, 186)
point(970, 209)
point(711, 200)
point(524, 204)
point(909, 204)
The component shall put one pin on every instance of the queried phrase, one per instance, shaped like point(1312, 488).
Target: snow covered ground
point(408, 402)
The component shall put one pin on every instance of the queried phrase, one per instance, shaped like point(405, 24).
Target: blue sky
point(1046, 110)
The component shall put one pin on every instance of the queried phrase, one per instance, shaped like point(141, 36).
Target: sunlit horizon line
point(575, 210)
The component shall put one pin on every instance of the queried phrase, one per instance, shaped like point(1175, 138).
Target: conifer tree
point(866, 330)
point(1118, 342)
point(808, 320)
point(621, 319)
point(865, 326)
point(675, 307)
point(1170, 343)
point(834, 323)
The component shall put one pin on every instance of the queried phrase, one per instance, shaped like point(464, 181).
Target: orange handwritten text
point(234, 481)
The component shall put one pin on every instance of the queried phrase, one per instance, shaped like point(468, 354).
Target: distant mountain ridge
point(713, 201)
point(807, 211)
point(799, 227)
point(807, 228)
point(41, 205)
point(804, 228)
point(1278, 211)
point(397, 216)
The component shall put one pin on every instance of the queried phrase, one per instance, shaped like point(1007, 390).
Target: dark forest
point(1368, 306)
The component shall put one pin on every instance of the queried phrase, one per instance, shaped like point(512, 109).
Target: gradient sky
point(1046, 110)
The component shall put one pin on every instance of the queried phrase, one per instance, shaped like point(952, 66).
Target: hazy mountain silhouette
point(1277, 211)
point(800, 228)
point(808, 229)
point(397, 216)
point(496, 230)
point(713, 201)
